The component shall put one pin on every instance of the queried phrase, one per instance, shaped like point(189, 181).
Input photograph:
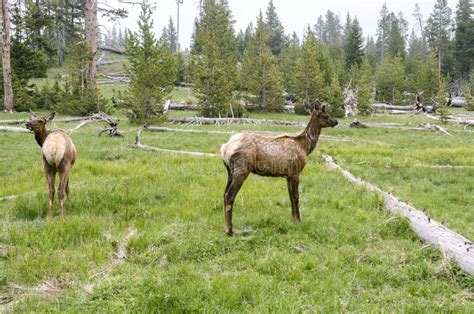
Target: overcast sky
point(295, 15)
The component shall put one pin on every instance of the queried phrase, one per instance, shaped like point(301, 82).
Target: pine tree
point(371, 52)
point(354, 45)
point(425, 78)
point(277, 32)
point(333, 34)
point(170, 36)
point(390, 80)
point(442, 111)
point(215, 54)
point(464, 39)
point(243, 40)
point(287, 63)
point(364, 89)
point(335, 98)
point(151, 69)
point(309, 77)
point(260, 72)
point(383, 31)
point(438, 30)
point(396, 40)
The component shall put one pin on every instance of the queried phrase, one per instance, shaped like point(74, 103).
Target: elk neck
point(41, 136)
point(310, 134)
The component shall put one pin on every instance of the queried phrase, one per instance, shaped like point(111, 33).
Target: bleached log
point(137, 144)
point(218, 121)
point(458, 102)
point(8, 198)
point(175, 106)
point(13, 129)
point(429, 230)
point(165, 129)
point(461, 121)
point(382, 106)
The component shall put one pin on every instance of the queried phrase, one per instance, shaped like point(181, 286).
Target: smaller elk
point(275, 156)
point(59, 154)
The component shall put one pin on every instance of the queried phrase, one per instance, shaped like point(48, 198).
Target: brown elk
point(275, 156)
point(58, 153)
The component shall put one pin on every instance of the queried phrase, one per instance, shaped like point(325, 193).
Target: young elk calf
point(275, 156)
point(59, 155)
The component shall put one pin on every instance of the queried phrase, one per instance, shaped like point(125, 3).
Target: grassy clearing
point(346, 255)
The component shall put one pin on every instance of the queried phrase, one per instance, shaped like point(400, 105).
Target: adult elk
point(275, 156)
point(58, 153)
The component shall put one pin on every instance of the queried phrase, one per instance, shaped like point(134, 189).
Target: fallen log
point(430, 231)
point(461, 121)
point(100, 116)
point(13, 129)
point(382, 106)
point(165, 129)
point(137, 144)
point(226, 121)
point(175, 106)
point(8, 198)
point(458, 102)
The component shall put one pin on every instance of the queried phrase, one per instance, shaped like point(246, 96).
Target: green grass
point(348, 254)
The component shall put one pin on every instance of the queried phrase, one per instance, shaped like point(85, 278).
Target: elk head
point(37, 124)
point(318, 113)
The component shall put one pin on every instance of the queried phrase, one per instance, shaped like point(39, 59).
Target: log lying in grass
point(8, 198)
point(165, 129)
point(382, 106)
point(461, 121)
point(137, 144)
point(226, 121)
point(191, 107)
point(65, 120)
point(427, 126)
point(13, 129)
point(430, 231)
point(458, 102)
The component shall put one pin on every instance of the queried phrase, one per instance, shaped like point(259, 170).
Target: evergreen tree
point(383, 31)
point(170, 36)
point(347, 29)
point(425, 78)
point(260, 72)
point(464, 38)
point(309, 77)
point(438, 30)
point(416, 47)
point(287, 63)
point(396, 40)
point(277, 32)
point(371, 52)
point(333, 35)
point(335, 98)
point(151, 69)
point(243, 39)
point(442, 111)
point(320, 30)
point(364, 89)
point(354, 45)
point(215, 53)
point(390, 80)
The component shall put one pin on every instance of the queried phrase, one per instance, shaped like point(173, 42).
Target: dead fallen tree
point(65, 120)
point(435, 127)
point(430, 231)
point(227, 121)
point(165, 129)
point(175, 106)
point(461, 121)
point(13, 129)
point(100, 116)
point(138, 144)
point(382, 106)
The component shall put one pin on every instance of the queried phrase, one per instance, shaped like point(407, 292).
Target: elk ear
point(323, 108)
point(308, 107)
point(317, 105)
point(33, 114)
point(50, 116)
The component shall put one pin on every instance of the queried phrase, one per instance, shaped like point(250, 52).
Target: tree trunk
point(7, 72)
point(91, 39)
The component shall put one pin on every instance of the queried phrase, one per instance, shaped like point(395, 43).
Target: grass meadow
point(348, 254)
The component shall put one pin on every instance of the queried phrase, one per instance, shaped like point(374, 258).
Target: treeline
point(258, 65)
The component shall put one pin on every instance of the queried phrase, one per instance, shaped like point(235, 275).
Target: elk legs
point(294, 197)
point(235, 181)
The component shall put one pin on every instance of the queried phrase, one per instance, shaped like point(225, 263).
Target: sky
point(295, 15)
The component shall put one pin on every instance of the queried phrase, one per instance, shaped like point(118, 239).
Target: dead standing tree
point(7, 73)
point(91, 39)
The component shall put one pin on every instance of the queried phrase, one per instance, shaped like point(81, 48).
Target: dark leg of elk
point(67, 190)
point(229, 198)
point(50, 174)
point(64, 178)
point(294, 197)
